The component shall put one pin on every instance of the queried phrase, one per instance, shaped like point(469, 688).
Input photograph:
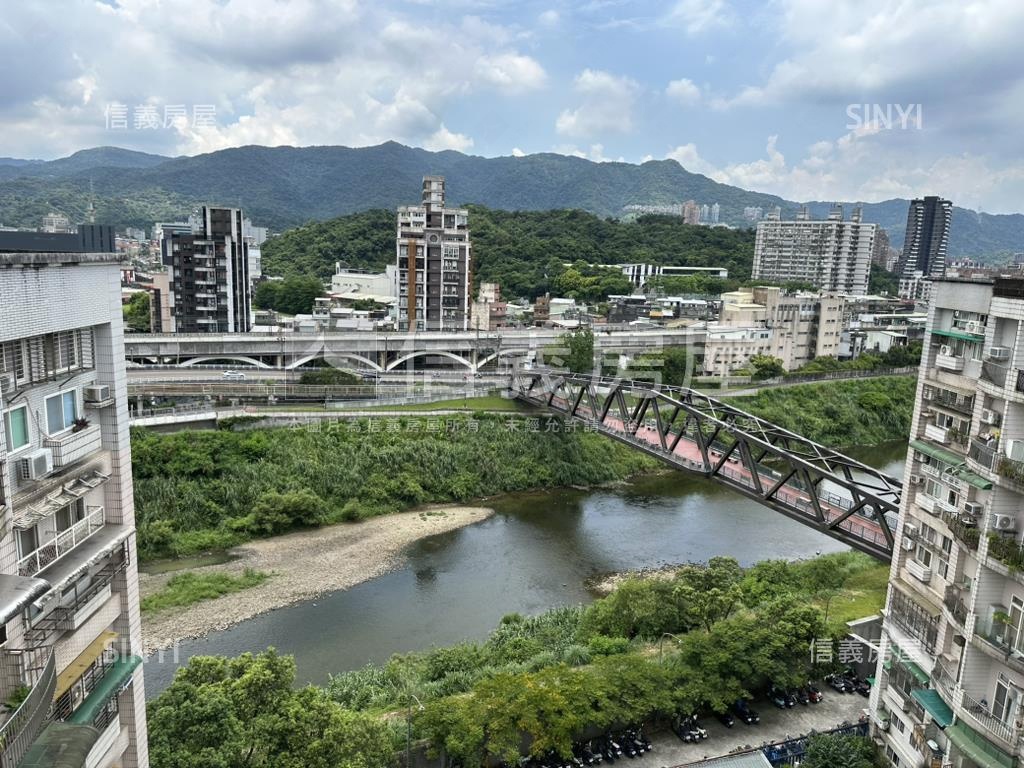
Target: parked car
point(726, 719)
point(745, 713)
point(234, 375)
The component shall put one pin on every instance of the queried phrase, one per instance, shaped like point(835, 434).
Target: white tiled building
point(69, 603)
point(951, 680)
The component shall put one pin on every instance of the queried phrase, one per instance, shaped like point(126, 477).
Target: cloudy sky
point(809, 99)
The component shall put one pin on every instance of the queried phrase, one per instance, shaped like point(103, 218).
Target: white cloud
point(688, 157)
point(549, 18)
point(442, 139)
point(511, 72)
point(517, 152)
point(607, 105)
point(683, 91)
point(698, 16)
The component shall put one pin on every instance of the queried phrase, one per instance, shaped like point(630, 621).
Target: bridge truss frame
point(804, 480)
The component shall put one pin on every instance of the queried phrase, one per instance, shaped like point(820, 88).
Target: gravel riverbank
point(303, 565)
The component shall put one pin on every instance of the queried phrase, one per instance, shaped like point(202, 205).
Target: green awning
point(962, 335)
point(116, 677)
point(979, 749)
point(955, 462)
point(919, 674)
point(934, 706)
point(60, 745)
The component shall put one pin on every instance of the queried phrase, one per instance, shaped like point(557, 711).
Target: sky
point(808, 99)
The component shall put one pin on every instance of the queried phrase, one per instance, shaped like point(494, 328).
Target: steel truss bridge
point(815, 485)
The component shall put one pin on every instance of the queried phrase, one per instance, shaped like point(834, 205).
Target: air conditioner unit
point(991, 417)
point(974, 508)
point(37, 464)
point(910, 530)
point(1004, 523)
point(1015, 450)
point(946, 350)
point(6, 383)
point(975, 326)
point(916, 479)
point(919, 571)
point(998, 353)
point(96, 394)
point(928, 394)
point(909, 545)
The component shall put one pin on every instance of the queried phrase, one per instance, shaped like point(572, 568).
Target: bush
point(191, 587)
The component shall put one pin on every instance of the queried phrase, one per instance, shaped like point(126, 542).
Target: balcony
point(1011, 470)
point(949, 363)
point(989, 723)
point(23, 726)
point(936, 434)
point(63, 543)
point(982, 453)
point(964, 529)
point(994, 373)
point(72, 447)
point(1006, 550)
point(952, 401)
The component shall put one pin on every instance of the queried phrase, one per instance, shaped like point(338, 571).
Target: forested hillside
point(525, 251)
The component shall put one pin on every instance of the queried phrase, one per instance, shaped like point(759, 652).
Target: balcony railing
point(63, 542)
point(936, 433)
point(963, 529)
point(1011, 470)
point(74, 446)
point(993, 373)
point(1006, 550)
point(989, 722)
point(982, 453)
point(944, 682)
point(952, 401)
point(21, 729)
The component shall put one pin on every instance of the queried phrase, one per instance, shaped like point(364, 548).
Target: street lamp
point(661, 645)
point(408, 727)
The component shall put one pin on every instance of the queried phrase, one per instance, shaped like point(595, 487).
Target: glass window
point(16, 428)
point(61, 411)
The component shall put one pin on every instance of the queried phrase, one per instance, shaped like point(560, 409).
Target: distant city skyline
point(760, 96)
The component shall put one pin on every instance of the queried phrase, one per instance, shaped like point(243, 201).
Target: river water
point(536, 553)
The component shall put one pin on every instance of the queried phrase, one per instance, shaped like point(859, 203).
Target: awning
point(85, 659)
point(17, 593)
point(112, 682)
point(972, 337)
point(955, 462)
point(979, 749)
point(934, 706)
point(69, 492)
point(61, 745)
point(904, 660)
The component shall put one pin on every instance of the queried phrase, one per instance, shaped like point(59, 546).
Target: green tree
point(294, 295)
point(328, 377)
point(711, 593)
point(136, 313)
point(580, 345)
point(767, 367)
point(244, 713)
point(836, 751)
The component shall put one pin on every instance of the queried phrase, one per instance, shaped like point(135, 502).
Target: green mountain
point(525, 251)
point(282, 187)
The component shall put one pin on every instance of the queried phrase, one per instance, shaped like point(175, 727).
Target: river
point(536, 553)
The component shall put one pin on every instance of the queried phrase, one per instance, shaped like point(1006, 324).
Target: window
point(16, 427)
point(1004, 703)
point(61, 411)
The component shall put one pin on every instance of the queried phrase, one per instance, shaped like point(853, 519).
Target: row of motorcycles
point(630, 743)
point(849, 683)
point(688, 729)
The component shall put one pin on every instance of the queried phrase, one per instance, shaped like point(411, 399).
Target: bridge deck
point(807, 482)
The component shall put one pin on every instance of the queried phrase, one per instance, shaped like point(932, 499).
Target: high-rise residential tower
point(70, 631)
point(833, 255)
point(950, 680)
point(208, 265)
point(925, 245)
point(432, 243)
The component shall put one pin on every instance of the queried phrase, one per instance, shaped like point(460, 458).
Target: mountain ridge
point(286, 186)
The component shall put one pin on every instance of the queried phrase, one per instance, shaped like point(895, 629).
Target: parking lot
point(775, 725)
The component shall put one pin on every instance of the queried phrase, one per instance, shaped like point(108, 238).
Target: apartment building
point(70, 632)
point(208, 265)
point(490, 312)
point(925, 246)
point(432, 244)
point(832, 255)
point(951, 673)
point(794, 327)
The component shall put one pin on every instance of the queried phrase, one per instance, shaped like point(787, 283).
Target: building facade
point(925, 245)
point(490, 312)
point(208, 265)
point(951, 670)
point(833, 255)
point(432, 245)
point(69, 600)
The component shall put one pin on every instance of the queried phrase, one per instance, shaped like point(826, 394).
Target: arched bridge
point(806, 481)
